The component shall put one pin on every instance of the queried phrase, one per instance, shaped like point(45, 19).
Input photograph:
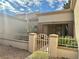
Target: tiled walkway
point(7, 52)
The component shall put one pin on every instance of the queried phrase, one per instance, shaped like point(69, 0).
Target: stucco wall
point(76, 16)
point(76, 19)
point(18, 43)
point(11, 26)
point(16, 27)
point(71, 54)
point(61, 17)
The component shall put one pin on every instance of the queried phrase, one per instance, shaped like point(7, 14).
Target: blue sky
point(13, 7)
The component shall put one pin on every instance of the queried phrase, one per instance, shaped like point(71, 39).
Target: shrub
point(40, 55)
point(67, 41)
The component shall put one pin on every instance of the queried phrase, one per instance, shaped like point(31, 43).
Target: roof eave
point(56, 12)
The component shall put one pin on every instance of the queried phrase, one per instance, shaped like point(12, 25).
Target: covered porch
point(62, 29)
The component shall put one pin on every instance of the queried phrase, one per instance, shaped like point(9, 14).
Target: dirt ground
point(7, 52)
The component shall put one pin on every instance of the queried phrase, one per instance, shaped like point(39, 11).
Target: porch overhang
point(57, 18)
point(60, 22)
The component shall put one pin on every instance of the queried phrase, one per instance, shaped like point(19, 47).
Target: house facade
point(14, 30)
point(59, 22)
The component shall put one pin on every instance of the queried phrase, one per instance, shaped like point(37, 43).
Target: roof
point(71, 9)
point(56, 12)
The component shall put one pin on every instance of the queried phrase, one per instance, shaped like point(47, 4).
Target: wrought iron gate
point(42, 42)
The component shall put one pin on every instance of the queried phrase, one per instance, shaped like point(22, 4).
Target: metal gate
point(42, 42)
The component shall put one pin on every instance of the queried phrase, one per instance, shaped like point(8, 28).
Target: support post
point(32, 42)
point(53, 43)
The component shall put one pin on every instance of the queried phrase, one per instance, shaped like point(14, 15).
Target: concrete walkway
point(7, 52)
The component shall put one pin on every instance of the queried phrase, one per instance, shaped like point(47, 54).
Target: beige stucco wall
point(12, 26)
point(60, 17)
point(15, 43)
point(16, 27)
point(11, 29)
point(76, 16)
point(71, 54)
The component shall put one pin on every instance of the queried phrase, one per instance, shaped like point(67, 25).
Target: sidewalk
point(7, 52)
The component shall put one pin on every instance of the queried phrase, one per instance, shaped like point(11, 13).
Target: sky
point(13, 7)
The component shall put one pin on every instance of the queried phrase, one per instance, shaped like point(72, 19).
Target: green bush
point(40, 55)
point(67, 42)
